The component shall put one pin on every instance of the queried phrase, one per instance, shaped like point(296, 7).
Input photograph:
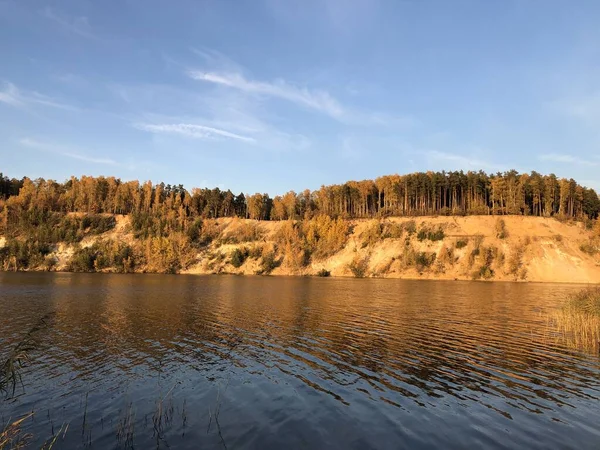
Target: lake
point(274, 362)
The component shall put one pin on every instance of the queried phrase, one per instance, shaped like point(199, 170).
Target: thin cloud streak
point(568, 159)
point(193, 131)
point(10, 95)
point(77, 25)
point(37, 145)
point(318, 100)
point(13, 96)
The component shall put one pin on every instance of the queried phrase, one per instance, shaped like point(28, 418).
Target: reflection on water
point(251, 362)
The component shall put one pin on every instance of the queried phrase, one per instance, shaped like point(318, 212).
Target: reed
point(49, 444)
point(578, 321)
point(12, 436)
point(10, 373)
point(126, 428)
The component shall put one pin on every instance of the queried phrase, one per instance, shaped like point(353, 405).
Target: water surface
point(270, 362)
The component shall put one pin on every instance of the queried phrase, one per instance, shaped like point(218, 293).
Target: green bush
point(115, 256)
point(238, 257)
point(20, 255)
point(436, 235)
point(424, 260)
point(485, 272)
point(323, 273)
point(268, 263)
point(82, 260)
point(359, 266)
point(462, 243)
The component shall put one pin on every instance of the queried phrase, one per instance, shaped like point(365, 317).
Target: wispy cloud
point(318, 100)
point(69, 153)
point(13, 96)
point(567, 159)
point(76, 25)
point(193, 131)
point(10, 95)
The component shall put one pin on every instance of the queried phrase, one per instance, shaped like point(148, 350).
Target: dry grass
point(579, 320)
point(11, 435)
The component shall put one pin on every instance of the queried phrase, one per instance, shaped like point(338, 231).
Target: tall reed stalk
point(578, 321)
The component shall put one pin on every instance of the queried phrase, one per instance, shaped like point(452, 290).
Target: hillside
point(474, 247)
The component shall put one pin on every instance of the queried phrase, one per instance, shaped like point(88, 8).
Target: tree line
point(416, 194)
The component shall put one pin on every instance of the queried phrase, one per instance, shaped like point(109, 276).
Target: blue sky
point(274, 95)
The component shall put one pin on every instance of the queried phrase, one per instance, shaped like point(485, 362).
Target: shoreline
point(332, 277)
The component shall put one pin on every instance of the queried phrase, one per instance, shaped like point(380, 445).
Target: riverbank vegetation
point(579, 319)
point(103, 224)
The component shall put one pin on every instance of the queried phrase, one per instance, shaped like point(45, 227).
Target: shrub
point(323, 273)
point(515, 262)
point(359, 266)
point(50, 263)
point(268, 263)
point(194, 231)
point(238, 257)
point(478, 241)
point(82, 260)
point(445, 256)
point(501, 231)
point(392, 230)
point(296, 251)
point(325, 236)
point(588, 248)
point(436, 235)
point(462, 243)
point(484, 272)
point(372, 233)
point(410, 227)
point(116, 256)
point(210, 231)
point(19, 255)
point(255, 252)
point(407, 258)
point(424, 260)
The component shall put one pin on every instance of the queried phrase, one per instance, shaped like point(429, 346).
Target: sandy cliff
point(535, 249)
point(472, 247)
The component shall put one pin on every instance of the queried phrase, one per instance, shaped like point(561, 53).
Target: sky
point(279, 95)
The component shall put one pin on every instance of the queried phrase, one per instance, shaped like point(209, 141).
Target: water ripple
point(338, 363)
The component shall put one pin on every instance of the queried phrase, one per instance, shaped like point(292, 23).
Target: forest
point(416, 194)
point(170, 224)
